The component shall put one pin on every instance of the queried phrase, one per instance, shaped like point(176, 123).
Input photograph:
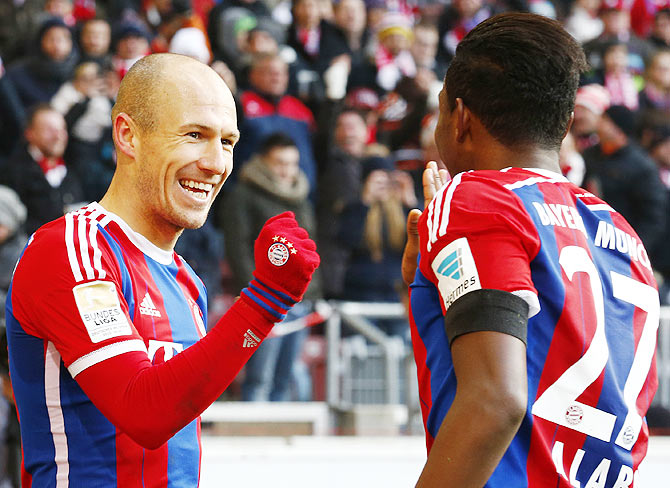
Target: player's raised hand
point(434, 178)
point(285, 256)
point(285, 259)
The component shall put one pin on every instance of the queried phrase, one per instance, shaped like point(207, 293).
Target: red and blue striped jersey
point(87, 289)
point(593, 318)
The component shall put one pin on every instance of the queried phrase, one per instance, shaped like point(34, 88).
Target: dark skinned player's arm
point(487, 411)
point(489, 405)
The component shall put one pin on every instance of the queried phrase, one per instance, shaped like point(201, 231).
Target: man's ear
point(463, 120)
point(124, 132)
point(567, 129)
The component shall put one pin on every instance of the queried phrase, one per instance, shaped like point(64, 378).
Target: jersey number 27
point(558, 403)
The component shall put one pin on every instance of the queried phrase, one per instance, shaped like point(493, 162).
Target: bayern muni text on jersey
point(86, 289)
point(593, 318)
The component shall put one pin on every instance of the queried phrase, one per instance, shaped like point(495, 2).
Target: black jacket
point(43, 202)
point(628, 180)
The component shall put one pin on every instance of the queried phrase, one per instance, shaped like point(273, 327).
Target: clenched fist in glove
point(285, 259)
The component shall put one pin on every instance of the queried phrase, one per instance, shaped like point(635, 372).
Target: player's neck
point(499, 156)
point(126, 209)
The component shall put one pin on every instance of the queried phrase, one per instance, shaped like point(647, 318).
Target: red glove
point(285, 259)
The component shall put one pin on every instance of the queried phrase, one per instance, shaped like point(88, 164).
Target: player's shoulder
point(482, 191)
point(65, 240)
point(479, 202)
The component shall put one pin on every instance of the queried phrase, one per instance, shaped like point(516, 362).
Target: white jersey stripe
point(437, 212)
point(105, 220)
point(600, 206)
point(533, 181)
point(93, 240)
point(443, 199)
point(104, 353)
point(447, 205)
point(83, 247)
point(69, 244)
point(56, 420)
point(429, 220)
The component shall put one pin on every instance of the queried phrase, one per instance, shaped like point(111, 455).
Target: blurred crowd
point(337, 103)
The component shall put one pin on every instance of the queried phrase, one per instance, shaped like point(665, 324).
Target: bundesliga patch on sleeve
point(455, 270)
point(101, 311)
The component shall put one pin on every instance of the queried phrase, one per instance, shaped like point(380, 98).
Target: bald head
point(154, 80)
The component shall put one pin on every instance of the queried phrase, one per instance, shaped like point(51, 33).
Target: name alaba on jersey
point(593, 318)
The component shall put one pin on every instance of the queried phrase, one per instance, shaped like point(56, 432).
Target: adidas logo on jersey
point(147, 307)
point(250, 339)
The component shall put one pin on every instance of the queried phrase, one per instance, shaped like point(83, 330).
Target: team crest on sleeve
point(100, 310)
point(455, 270)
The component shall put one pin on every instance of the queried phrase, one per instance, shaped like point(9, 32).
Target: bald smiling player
point(110, 362)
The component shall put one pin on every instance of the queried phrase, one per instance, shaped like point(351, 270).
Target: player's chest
point(165, 311)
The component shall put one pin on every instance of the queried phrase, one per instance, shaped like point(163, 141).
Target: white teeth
point(197, 194)
point(197, 185)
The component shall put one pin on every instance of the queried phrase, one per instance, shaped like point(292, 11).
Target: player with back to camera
point(110, 361)
point(534, 309)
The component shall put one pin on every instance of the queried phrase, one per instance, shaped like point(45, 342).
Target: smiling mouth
point(196, 188)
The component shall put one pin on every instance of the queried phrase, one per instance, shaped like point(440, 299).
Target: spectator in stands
point(621, 173)
point(424, 50)
point(343, 149)
point(37, 78)
point(656, 91)
point(63, 9)
point(269, 184)
point(592, 100)
point(457, 20)
point(87, 107)
point(95, 41)
point(219, 25)
point(393, 57)
point(350, 18)
point(660, 31)
point(176, 16)
point(583, 22)
point(131, 44)
point(656, 140)
point(37, 171)
point(616, 76)
point(616, 27)
point(267, 108)
point(311, 36)
point(373, 229)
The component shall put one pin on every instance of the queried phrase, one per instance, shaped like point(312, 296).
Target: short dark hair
point(275, 140)
point(518, 73)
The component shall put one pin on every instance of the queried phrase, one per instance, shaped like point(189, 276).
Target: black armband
point(487, 310)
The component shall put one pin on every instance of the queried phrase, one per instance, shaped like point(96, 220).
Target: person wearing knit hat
point(393, 57)
point(623, 118)
point(623, 174)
